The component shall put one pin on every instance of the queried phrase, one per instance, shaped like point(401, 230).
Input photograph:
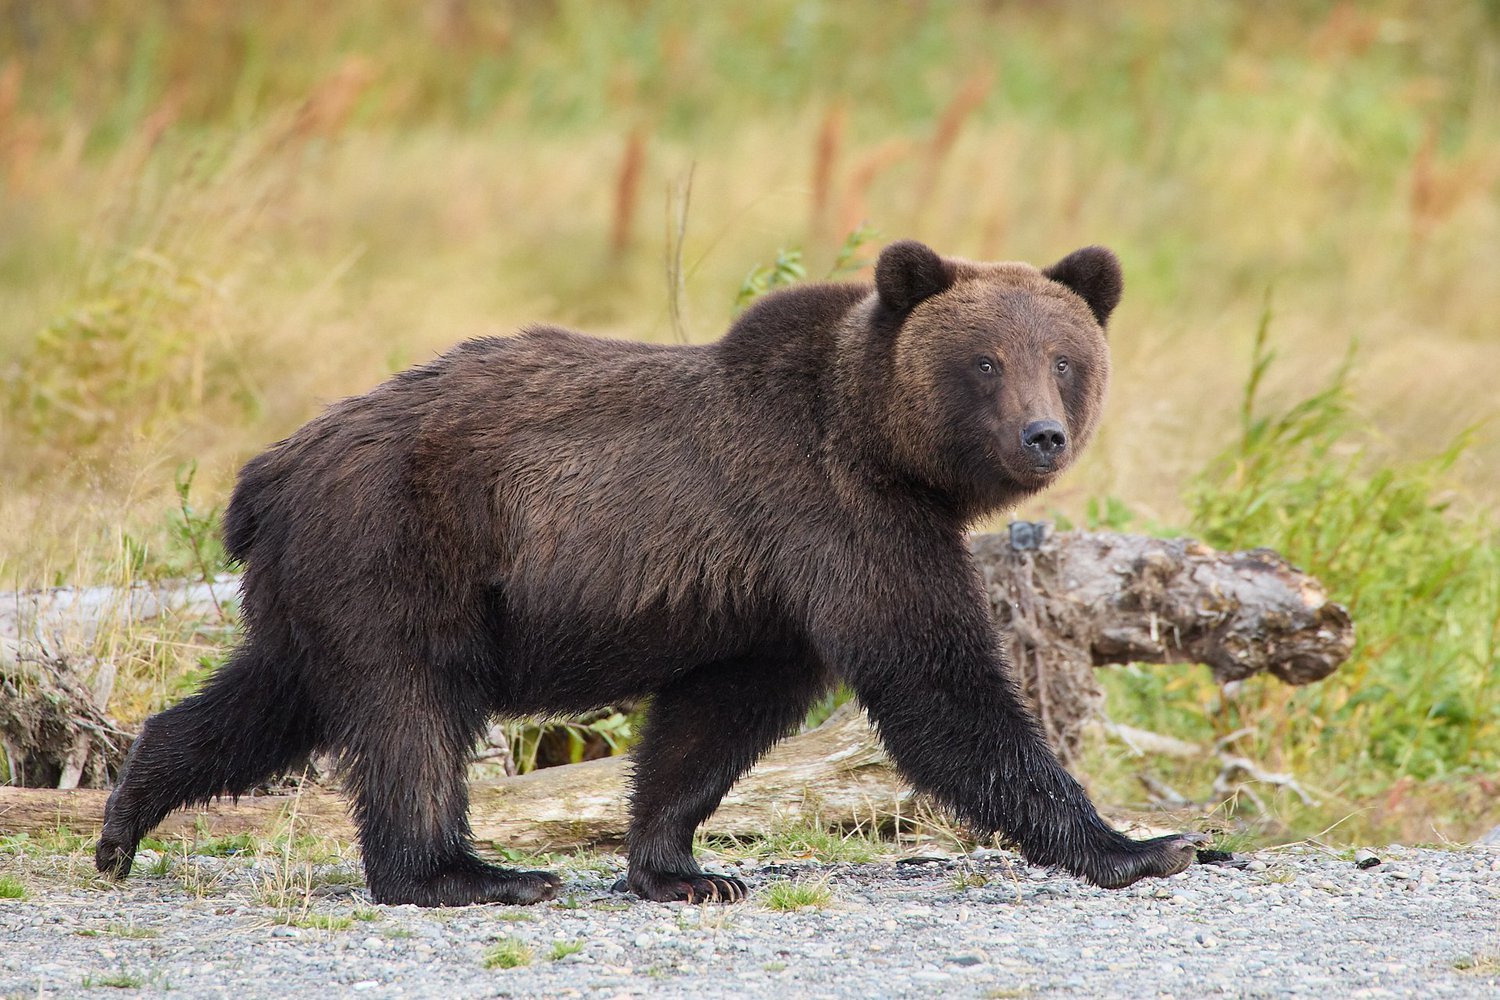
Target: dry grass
point(203, 271)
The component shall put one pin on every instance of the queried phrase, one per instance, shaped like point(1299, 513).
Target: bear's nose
point(1045, 439)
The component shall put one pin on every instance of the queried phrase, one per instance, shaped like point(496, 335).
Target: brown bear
point(549, 522)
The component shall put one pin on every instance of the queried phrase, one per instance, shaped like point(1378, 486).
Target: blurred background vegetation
point(216, 217)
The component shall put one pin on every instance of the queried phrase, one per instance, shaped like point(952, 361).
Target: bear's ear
point(1094, 273)
point(908, 272)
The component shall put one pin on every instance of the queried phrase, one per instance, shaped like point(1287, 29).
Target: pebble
point(890, 930)
point(971, 959)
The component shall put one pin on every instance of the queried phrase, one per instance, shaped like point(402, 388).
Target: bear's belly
point(571, 663)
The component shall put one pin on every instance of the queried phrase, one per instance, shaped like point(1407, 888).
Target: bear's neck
point(783, 349)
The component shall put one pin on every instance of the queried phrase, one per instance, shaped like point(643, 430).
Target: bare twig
point(677, 215)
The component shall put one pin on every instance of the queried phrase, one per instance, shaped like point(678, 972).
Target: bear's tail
point(252, 490)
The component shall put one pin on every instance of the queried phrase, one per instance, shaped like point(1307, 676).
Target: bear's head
point(994, 373)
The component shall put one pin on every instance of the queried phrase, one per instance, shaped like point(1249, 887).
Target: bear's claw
point(466, 884)
point(1156, 858)
point(687, 887)
point(113, 858)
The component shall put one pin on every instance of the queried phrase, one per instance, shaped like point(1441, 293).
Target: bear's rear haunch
point(549, 522)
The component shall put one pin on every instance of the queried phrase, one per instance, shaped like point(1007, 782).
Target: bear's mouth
point(1032, 475)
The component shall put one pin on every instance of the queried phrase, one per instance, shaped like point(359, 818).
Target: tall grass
point(1419, 698)
point(1421, 579)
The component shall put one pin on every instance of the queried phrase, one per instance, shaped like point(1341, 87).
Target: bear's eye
point(1062, 365)
point(987, 366)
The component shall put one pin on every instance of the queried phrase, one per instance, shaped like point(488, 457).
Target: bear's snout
point(1044, 441)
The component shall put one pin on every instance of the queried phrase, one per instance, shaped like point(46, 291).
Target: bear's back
point(606, 476)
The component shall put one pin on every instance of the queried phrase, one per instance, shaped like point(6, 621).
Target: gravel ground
point(1290, 923)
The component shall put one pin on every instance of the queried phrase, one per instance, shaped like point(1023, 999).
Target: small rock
point(1212, 857)
point(285, 932)
point(969, 958)
point(1364, 859)
point(333, 891)
point(1400, 874)
point(1256, 865)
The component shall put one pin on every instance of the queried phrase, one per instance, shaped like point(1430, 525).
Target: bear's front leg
point(975, 747)
point(936, 684)
point(701, 734)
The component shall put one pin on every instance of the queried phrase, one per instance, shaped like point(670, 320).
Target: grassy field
point(218, 217)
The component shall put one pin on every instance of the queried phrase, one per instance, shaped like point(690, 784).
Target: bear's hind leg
point(405, 755)
point(702, 733)
point(250, 722)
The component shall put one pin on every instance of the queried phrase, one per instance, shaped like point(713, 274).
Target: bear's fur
point(550, 522)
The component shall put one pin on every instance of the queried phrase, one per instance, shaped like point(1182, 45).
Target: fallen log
point(1076, 601)
point(836, 776)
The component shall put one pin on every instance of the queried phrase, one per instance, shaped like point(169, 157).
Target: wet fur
point(551, 522)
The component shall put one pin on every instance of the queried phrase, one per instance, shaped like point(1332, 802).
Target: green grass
point(317, 921)
point(1421, 579)
point(1478, 964)
point(1420, 574)
point(225, 847)
point(1276, 876)
point(57, 840)
point(129, 931)
point(562, 949)
point(965, 879)
point(788, 896)
point(804, 840)
point(12, 888)
point(116, 980)
point(1234, 841)
point(507, 953)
